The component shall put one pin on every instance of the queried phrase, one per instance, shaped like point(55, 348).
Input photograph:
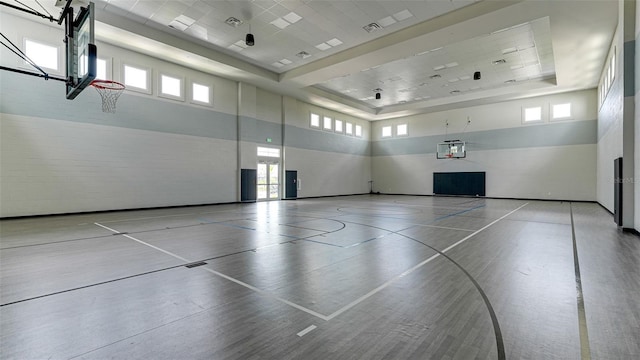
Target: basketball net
point(110, 91)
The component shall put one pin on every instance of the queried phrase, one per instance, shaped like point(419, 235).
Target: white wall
point(327, 162)
point(61, 156)
point(549, 160)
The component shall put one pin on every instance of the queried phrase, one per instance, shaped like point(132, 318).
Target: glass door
point(268, 180)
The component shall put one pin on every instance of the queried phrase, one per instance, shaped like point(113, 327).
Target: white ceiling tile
point(334, 42)
point(292, 17)
point(403, 15)
point(323, 46)
point(280, 23)
point(386, 21)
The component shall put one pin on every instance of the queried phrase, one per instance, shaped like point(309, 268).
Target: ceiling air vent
point(436, 76)
point(372, 27)
point(233, 22)
point(499, 61)
point(303, 54)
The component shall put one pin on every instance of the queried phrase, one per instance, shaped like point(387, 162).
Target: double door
point(268, 180)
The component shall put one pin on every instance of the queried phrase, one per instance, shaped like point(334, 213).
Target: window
point(170, 86)
point(358, 130)
point(201, 93)
point(386, 131)
point(101, 69)
point(135, 77)
point(349, 128)
point(326, 123)
point(315, 120)
point(402, 130)
point(338, 126)
point(45, 56)
point(268, 152)
point(608, 76)
point(561, 111)
point(532, 114)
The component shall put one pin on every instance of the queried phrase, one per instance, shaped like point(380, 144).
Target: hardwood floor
point(360, 277)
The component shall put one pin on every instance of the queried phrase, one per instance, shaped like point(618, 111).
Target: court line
point(260, 291)
point(306, 331)
point(585, 349)
point(416, 267)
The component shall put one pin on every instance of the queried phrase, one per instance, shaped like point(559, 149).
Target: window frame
point(160, 82)
point(59, 56)
point(536, 121)
point(348, 125)
point(552, 111)
point(406, 129)
point(311, 118)
point(191, 92)
point(358, 129)
point(335, 126)
point(386, 131)
point(149, 79)
point(324, 123)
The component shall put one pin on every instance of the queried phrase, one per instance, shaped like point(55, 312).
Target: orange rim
point(107, 84)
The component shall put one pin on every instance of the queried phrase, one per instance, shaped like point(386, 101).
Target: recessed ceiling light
point(440, 67)
point(403, 15)
point(515, 67)
point(323, 46)
point(280, 23)
point(292, 17)
point(277, 64)
point(387, 21)
point(465, 77)
point(451, 64)
point(286, 61)
point(509, 50)
point(334, 42)
point(453, 80)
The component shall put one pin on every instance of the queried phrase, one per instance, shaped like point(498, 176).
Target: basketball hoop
point(110, 91)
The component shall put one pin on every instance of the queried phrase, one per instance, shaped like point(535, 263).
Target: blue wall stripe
point(31, 96)
point(258, 131)
point(556, 134)
point(629, 68)
point(325, 141)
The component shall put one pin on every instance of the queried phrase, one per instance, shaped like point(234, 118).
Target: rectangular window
point(561, 111)
point(386, 131)
point(101, 69)
point(268, 152)
point(201, 93)
point(358, 130)
point(135, 77)
point(315, 120)
point(171, 86)
point(43, 55)
point(349, 128)
point(532, 114)
point(402, 130)
point(326, 123)
point(338, 126)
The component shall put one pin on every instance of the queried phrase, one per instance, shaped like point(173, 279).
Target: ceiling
point(421, 55)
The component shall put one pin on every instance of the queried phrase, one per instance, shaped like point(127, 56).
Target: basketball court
point(370, 276)
point(456, 273)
